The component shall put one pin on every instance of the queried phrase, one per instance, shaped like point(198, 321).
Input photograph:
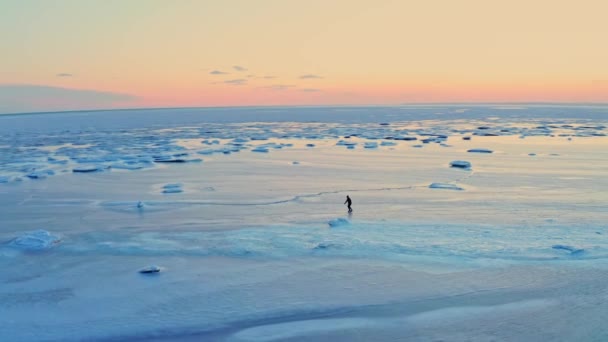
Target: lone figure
point(349, 202)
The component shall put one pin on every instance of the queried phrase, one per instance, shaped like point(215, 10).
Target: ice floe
point(90, 168)
point(150, 269)
point(36, 240)
point(173, 188)
point(338, 222)
point(461, 164)
point(480, 150)
point(445, 186)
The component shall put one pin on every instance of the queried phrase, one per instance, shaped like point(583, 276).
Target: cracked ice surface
point(246, 250)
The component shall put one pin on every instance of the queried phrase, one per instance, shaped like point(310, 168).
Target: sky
point(85, 54)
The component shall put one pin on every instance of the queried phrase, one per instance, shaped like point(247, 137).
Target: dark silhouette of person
point(350, 202)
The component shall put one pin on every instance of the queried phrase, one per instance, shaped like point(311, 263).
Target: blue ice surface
point(389, 241)
point(572, 250)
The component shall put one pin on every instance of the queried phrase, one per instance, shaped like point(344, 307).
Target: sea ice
point(340, 221)
point(150, 269)
point(172, 191)
point(480, 150)
point(36, 240)
point(260, 149)
point(462, 164)
point(42, 174)
point(573, 251)
point(168, 159)
point(173, 188)
point(90, 168)
point(445, 186)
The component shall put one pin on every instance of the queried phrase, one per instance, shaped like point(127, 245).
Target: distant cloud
point(269, 77)
point(238, 81)
point(250, 76)
point(239, 68)
point(218, 72)
point(20, 98)
point(310, 90)
point(310, 76)
point(279, 87)
point(64, 74)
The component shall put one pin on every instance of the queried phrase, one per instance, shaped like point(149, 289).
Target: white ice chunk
point(90, 168)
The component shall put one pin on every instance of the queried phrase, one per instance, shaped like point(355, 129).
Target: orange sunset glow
point(67, 55)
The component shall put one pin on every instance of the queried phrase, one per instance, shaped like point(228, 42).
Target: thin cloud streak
point(238, 81)
point(279, 87)
point(310, 77)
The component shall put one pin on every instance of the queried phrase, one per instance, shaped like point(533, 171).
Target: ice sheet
point(245, 251)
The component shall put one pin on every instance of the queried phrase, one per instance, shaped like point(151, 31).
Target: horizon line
point(533, 103)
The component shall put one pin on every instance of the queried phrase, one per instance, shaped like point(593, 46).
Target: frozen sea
point(470, 223)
